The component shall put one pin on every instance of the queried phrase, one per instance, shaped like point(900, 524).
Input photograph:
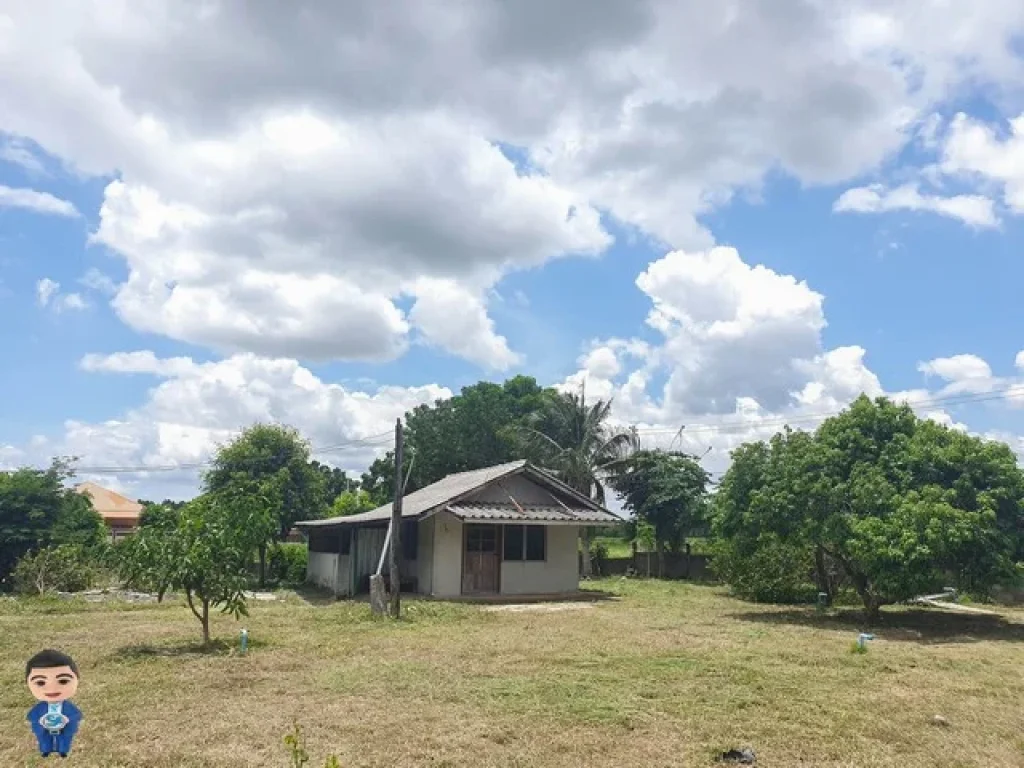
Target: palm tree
point(575, 441)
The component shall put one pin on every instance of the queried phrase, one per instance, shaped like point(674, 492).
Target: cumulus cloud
point(196, 406)
point(974, 210)
point(284, 179)
point(741, 356)
point(37, 202)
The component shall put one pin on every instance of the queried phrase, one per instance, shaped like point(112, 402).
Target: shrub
point(599, 557)
point(66, 568)
point(288, 563)
point(771, 572)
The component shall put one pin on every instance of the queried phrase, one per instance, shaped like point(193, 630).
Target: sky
point(726, 217)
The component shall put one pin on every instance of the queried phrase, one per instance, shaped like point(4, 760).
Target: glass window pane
point(536, 541)
point(513, 542)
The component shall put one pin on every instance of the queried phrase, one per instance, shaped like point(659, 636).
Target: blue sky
point(302, 250)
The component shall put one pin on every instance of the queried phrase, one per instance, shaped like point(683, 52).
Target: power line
point(781, 421)
point(365, 441)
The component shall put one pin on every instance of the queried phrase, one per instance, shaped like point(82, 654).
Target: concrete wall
point(558, 574)
point(520, 488)
point(446, 571)
point(425, 557)
point(322, 570)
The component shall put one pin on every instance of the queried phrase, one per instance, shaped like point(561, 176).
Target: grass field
point(663, 675)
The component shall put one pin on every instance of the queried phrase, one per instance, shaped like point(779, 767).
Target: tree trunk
point(263, 565)
point(206, 623)
point(687, 571)
point(660, 546)
point(821, 573)
point(585, 540)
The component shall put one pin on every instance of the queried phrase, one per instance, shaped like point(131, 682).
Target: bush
point(599, 557)
point(66, 568)
point(287, 563)
point(773, 572)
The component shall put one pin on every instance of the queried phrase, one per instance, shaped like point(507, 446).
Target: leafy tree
point(36, 511)
point(896, 504)
point(476, 428)
point(202, 549)
point(65, 568)
point(576, 441)
point(352, 503)
point(147, 560)
point(668, 491)
point(275, 460)
point(336, 481)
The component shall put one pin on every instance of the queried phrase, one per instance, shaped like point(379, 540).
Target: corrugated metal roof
point(425, 499)
point(529, 513)
point(109, 504)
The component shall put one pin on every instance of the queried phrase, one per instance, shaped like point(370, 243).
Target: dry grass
point(667, 675)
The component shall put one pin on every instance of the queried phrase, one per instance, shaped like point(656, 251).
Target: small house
point(510, 530)
point(120, 513)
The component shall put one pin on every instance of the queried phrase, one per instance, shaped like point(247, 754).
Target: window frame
point(520, 532)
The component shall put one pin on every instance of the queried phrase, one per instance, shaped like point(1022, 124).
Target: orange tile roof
point(111, 505)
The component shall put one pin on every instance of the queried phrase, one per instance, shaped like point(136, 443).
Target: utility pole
point(396, 526)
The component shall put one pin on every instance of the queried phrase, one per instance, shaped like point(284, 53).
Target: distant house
point(512, 529)
point(120, 513)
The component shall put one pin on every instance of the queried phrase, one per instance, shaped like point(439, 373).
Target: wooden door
point(481, 562)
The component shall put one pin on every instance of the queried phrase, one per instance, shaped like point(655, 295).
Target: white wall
point(446, 576)
point(322, 570)
point(425, 557)
point(559, 574)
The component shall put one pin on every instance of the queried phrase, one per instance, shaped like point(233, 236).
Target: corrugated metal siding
point(528, 513)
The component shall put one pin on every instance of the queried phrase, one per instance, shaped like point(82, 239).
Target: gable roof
point(110, 504)
point(453, 488)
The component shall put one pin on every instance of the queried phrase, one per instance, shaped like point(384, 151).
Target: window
point(525, 543)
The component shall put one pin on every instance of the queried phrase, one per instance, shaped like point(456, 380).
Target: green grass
point(664, 674)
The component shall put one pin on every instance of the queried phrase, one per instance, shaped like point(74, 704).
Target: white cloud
point(37, 202)
point(454, 319)
point(46, 289)
point(196, 406)
point(957, 368)
point(285, 178)
point(742, 356)
point(99, 282)
point(17, 153)
point(973, 210)
point(48, 295)
point(974, 149)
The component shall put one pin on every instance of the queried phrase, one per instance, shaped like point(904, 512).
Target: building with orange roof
point(120, 513)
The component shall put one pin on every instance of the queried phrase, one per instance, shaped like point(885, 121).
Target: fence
point(677, 566)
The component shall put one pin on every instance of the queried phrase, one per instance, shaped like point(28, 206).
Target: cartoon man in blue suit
point(53, 679)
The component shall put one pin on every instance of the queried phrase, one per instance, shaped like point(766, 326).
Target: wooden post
point(396, 526)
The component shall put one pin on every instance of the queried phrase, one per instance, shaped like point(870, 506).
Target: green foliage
point(335, 481)
point(474, 429)
point(202, 549)
point(576, 441)
point(288, 563)
point(274, 458)
point(64, 568)
point(37, 511)
point(297, 753)
point(271, 463)
point(894, 504)
point(773, 571)
point(665, 490)
point(352, 503)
